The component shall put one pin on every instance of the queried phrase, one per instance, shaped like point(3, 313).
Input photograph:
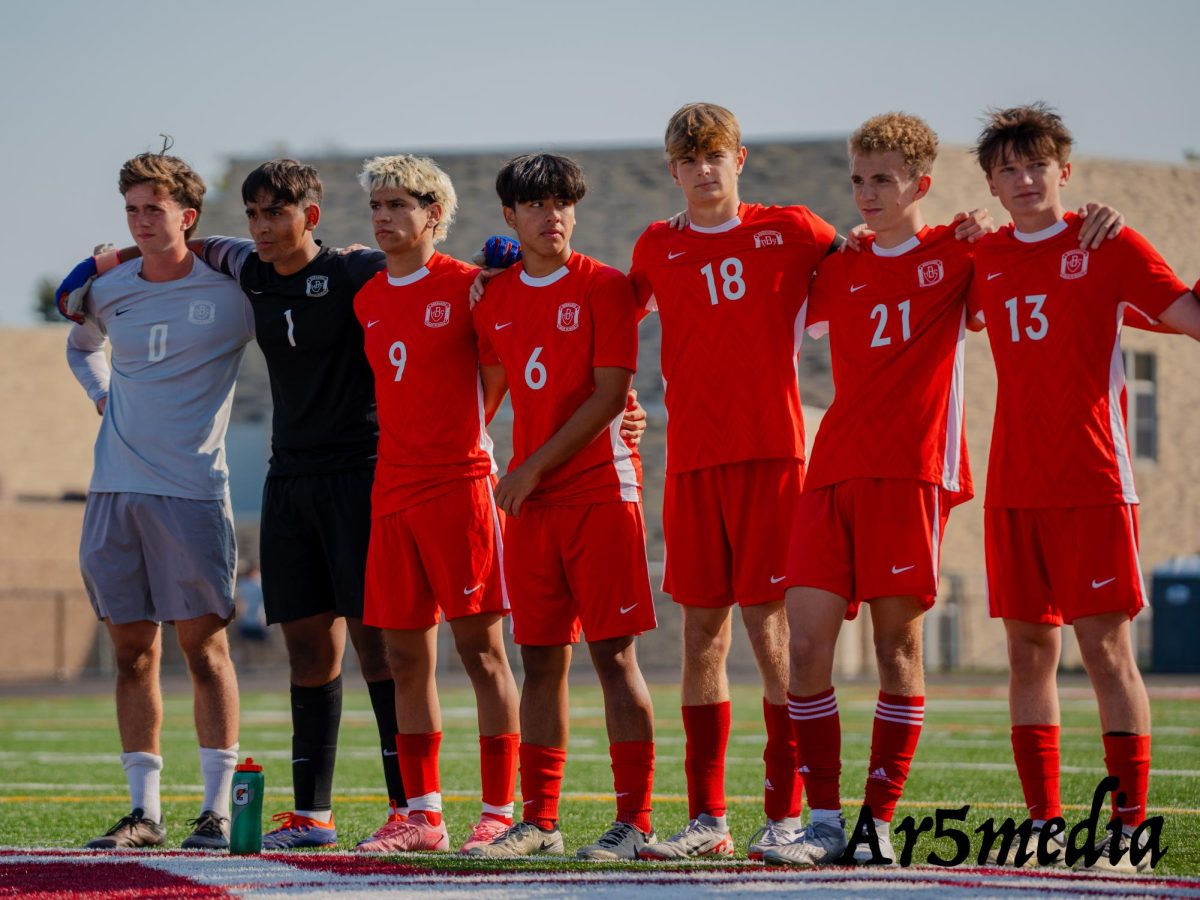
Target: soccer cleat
point(621, 841)
point(864, 857)
point(211, 832)
point(775, 833)
point(522, 839)
point(407, 835)
point(700, 837)
point(130, 831)
point(1124, 865)
point(486, 830)
point(296, 831)
point(1054, 842)
point(820, 844)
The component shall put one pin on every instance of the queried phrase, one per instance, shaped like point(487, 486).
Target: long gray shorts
point(159, 559)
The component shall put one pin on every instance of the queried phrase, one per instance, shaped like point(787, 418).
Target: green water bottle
point(245, 834)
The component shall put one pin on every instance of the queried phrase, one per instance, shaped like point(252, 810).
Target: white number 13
point(1033, 332)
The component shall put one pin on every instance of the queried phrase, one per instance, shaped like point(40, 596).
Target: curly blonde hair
point(908, 135)
point(418, 175)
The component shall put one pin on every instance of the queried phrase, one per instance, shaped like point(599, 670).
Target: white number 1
point(287, 314)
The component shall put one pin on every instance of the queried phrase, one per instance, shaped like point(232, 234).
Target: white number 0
point(158, 343)
point(398, 354)
point(535, 372)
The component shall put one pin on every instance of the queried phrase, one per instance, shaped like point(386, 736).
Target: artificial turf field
point(63, 783)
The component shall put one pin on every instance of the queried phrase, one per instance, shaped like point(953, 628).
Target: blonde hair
point(907, 135)
point(700, 127)
point(418, 175)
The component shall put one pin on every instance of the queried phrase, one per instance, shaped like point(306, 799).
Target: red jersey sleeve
point(638, 277)
point(487, 353)
point(816, 318)
point(614, 322)
point(1147, 283)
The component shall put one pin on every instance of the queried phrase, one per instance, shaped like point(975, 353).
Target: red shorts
point(726, 530)
point(870, 537)
point(577, 567)
point(441, 556)
point(1054, 566)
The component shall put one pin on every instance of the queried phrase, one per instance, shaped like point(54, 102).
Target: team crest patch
point(767, 239)
point(930, 273)
point(568, 316)
point(1074, 264)
point(437, 313)
point(202, 312)
point(316, 286)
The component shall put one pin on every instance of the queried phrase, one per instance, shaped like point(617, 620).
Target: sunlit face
point(400, 221)
point(279, 229)
point(884, 189)
point(156, 221)
point(543, 227)
point(708, 177)
point(1029, 187)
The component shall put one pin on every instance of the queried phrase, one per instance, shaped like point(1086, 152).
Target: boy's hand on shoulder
point(1100, 222)
point(498, 252)
point(971, 226)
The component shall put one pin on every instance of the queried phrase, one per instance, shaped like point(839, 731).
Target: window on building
point(1141, 389)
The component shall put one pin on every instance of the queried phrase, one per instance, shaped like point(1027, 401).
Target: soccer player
point(1060, 518)
point(435, 534)
point(888, 463)
point(562, 328)
point(158, 539)
point(729, 290)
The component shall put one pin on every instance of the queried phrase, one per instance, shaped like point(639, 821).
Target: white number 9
point(398, 354)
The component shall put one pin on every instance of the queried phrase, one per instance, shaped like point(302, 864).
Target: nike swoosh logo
point(1096, 585)
point(121, 312)
point(896, 571)
point(472, 590)
point(300, 760)
point(673, 255)
point(498, 326)
point(626, 794)
point(776, 580)
point(855, 288)
point(390, 753)
point(992, 275)
point(1120, 809)
point(255, 293)
point(625, 609)
point(372, 323)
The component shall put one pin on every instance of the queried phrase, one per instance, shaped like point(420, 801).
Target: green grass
point(63, 783)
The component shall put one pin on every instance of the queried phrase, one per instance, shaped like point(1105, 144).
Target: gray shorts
point(158, 559)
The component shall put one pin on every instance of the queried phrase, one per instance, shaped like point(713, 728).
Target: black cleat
point(131, 831)
point(211, 832)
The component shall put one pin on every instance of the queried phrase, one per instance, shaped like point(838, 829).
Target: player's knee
point(137, 661)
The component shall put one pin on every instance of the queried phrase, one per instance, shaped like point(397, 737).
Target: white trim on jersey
point(623, 462)
point(406, 280)
point(955, 413)
point(1116, 417)
point(716, 229)
point(798, 333)
point(935, 542)
point(485, 440)
point(899, 250)
point(499, 538)
point(1032, 237)
point(545, 280)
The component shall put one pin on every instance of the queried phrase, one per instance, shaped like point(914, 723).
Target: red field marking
point(108, 880)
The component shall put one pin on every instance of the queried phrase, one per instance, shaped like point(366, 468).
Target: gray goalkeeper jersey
point(176, 349)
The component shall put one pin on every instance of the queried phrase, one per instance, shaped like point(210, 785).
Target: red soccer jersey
point(897, 324)
point(420, 341)
point(1053, 313)
point(550, 333)
point(730, 301)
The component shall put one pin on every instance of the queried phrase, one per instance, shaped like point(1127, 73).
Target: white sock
point(317, 815)
point(713, 821)
point(431, 802)
point(143, 771)
point(505, 811)
point(791, 823)
point(827, 817)
point(883, 830)
point(216, 767)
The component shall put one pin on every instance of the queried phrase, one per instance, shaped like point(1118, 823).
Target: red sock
point(783, 787)
point(707, 731)
point(419, 770)
point(1127, 756)
point(541, 783)
point(498, 772)
point(1035, 748)
point(633, 780)
point(898, 722)
point(818, 730)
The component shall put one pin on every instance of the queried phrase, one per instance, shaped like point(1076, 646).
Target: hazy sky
point(84, 86)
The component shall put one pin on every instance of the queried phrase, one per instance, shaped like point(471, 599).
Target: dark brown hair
point(170, 176)
point(1032, 132)
point(540, 176)
point(284, 180)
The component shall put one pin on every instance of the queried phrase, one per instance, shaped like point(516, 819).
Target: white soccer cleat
point(621, 841)
point(522, 839)
point(821, 844)
point(776, 833)
point(703, 836)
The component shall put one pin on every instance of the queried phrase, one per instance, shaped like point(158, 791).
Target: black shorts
point(313, 540)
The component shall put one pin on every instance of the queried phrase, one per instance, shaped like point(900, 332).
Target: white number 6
point(535, 372)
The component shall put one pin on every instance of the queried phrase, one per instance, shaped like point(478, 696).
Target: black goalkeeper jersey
point(322, 386)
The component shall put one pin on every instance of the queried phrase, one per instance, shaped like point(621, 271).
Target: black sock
point(316, 715)
point(383, 701)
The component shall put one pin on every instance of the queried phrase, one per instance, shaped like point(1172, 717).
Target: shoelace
point(615, 835)
point(290, 822)
point(208, 825)
point(130, 821)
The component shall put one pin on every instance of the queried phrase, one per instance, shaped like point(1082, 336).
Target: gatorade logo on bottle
point(241, 794)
